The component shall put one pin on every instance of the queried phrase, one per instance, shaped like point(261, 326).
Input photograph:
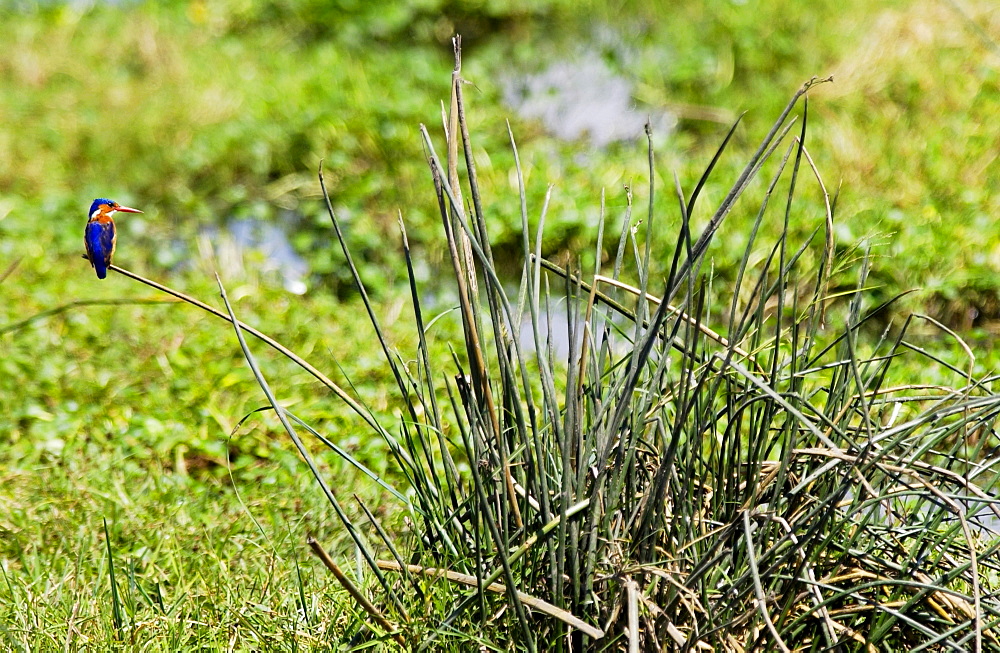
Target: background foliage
point(204, 113)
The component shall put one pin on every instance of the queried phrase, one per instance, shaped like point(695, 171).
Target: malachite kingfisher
point(99, 236)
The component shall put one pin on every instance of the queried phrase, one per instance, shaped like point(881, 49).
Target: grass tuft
point(665, 486)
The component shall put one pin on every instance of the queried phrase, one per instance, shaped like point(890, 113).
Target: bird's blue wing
point(99, 239)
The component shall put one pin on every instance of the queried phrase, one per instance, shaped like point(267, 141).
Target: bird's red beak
point(125, 209)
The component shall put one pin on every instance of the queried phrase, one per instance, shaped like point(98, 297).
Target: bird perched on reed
point(99, 236)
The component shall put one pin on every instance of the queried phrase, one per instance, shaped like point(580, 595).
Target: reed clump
point(696, 469)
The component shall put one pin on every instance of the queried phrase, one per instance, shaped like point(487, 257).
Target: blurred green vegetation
point(204, 112)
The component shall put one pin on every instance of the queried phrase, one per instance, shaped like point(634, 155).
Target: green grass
point(191, 567)
point(200, 113)
point(150, 451)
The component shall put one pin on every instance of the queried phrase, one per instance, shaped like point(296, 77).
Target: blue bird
point(99, 236)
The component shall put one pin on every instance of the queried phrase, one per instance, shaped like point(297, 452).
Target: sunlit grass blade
point(116, 604)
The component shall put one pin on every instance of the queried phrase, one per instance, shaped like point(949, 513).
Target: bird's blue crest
point(97, 203)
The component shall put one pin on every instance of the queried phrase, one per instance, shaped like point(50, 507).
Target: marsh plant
point(701, 465)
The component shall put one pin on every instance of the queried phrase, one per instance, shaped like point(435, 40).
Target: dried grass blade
point(465, 579)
